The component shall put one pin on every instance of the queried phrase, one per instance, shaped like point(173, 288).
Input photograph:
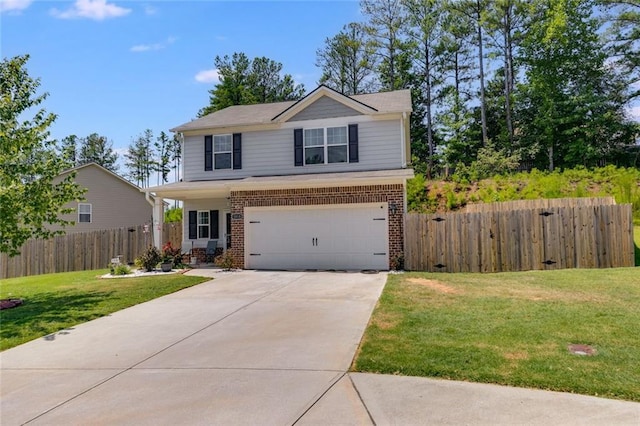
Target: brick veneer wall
point(319, 196)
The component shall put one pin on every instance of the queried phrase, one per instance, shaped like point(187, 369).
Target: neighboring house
point(313, 184)
point(110, 201)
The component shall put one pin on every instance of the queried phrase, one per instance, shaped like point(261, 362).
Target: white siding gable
point(325, 107)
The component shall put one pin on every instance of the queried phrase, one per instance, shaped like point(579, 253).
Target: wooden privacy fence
point(83, 251)
point(576, 235)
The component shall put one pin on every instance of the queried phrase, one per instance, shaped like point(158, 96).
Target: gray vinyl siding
point(324, 107)
point(114, 203)
point(271, 153)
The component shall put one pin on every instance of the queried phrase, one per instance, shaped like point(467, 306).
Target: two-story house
point(313, 184)
point(110, 201)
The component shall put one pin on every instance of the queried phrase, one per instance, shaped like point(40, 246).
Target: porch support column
point(158, 220)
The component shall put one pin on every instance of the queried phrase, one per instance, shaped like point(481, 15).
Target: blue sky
point(119, 67)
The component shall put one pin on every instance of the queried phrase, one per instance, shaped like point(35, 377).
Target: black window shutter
point(193, 225)
point(353, 143)
point(214, 224)
point(298, 148)
point(237, 151)
point(208, 153)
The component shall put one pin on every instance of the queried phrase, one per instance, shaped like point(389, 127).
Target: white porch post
point(158, 220)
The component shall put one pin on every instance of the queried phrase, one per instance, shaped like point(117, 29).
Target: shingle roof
point(246, 115)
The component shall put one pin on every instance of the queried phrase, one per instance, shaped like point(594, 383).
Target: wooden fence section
point(173, 232)
point(83, 251)
point(597, 236)
point(543, 203)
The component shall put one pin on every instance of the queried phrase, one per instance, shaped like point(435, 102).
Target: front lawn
point(53, 302)
point(512, 329)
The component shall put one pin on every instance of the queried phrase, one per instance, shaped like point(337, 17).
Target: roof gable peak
point(318, 93)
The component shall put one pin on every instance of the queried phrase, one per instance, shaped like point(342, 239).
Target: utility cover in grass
point(580, 349)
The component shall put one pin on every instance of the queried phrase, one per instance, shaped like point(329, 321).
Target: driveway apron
point(249, 347)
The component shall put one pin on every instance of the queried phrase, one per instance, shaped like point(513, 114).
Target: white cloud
point(14, 5)
point(208, 76)
point(150, 10)
point(91, 9)
point(153, 46)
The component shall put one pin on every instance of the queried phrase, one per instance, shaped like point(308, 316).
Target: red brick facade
point(391, 194)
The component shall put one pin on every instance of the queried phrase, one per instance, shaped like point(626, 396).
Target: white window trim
point(214, 152)
point(199, 225)
point(325, 144)
point(90, 212)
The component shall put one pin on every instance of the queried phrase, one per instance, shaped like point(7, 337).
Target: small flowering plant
point(170, 254)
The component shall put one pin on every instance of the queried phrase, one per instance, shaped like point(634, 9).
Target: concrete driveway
point(254, 348)
point(250, 347)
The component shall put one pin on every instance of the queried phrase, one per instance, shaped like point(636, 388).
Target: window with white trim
point(222, 151)
point(84, 213)
point(325, 145)
point(203, 223)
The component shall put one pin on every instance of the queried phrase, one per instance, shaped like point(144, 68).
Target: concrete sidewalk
point(254, 348)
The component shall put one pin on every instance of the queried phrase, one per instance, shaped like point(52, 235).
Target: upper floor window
point(84, 213)
point(222, 152)
point(325, 145)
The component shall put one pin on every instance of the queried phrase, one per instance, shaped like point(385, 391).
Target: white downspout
point(403, 141)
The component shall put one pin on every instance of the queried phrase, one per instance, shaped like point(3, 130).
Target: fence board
point(82, 251)
point(582, 233)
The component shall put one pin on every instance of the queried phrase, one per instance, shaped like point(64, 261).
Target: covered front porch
point(206, 217)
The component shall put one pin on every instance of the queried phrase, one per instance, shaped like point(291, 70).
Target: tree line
point(496, 84)
point(146, 157)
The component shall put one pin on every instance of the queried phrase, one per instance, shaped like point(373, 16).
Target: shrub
point(121, 269)
point(226, 261)
point(149, 259)
point(397, 262)
point(171, 254)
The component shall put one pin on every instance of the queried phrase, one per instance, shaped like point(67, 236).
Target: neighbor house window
point(325, 145)
point(84, 213)
point(222, 151)
point(203, 224)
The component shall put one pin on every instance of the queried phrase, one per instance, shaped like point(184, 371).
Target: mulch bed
point(10, 303)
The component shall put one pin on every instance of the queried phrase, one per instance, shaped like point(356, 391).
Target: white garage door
point(352, 236)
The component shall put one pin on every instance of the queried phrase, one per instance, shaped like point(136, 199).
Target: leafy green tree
point(387, 25)
point(623, 40)
point(98, 149)
point(456, 68)
point(504, 23)
point(246, 82)
point(163, 151)
point(173, 214)
point(69, 149)
point(572, 108)
point(139, 159)
point(347, 61)
point(425, 33)
point(30, 197)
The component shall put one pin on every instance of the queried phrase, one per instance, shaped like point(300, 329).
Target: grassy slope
point(441, 196)
point(512, 329)
point(53, 302)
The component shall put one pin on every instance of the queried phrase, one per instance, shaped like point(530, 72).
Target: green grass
point(53, 302)
point(511, 329)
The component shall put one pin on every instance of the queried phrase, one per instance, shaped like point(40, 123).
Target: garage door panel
point(317, 237)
